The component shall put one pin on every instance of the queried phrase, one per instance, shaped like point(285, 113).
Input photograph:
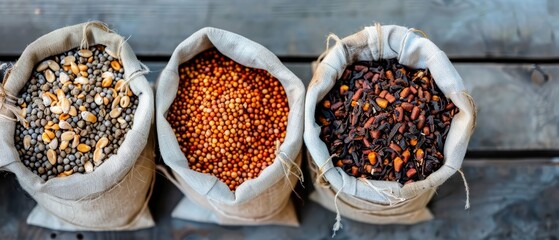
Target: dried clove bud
point(386, 122)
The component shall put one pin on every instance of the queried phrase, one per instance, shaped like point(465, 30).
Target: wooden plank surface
point(499, 28)
point(510, 200)
point(516, 105)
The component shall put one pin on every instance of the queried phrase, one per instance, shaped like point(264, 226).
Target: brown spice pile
point(384, 121)
point(227, 117)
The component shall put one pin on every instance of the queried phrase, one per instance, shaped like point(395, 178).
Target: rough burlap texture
point(384, 202)
point(260, 201)
point(115, 195)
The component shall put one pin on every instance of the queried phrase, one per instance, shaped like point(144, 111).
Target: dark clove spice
point(385, 121)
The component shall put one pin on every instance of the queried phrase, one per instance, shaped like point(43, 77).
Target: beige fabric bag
point(382, 202)
point(115, 195)
point(261, 201)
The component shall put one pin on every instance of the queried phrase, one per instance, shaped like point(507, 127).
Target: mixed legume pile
point(79, 110)
point(228, 118)
point(384, 121)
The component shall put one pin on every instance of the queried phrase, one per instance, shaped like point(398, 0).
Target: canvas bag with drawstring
point(264, 200)
point(372, 201)
point(115, 195)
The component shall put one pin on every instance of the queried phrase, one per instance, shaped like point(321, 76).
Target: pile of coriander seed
point(228, 119)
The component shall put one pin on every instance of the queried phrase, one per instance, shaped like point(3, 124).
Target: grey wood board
point(501, 28)
point(517, 107)
point(509, 200)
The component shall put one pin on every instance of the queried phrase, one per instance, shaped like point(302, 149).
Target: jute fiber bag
point(112, 197)
point(4, 67)
point(384, 202)
point(261, 201)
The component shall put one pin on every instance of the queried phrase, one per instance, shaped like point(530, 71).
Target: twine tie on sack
point(321, 57)
point(330, 37)
point(120, 45)
point(474, 108)
point(467, 205)
point(466, 187)
point(128, 77)
point(85, 42)
point(9, 102)
point(420, 32)
point(321, 171)
point(380, 40)
point(386, 193)
point(287, 164)
point(142, 71)
point(338, 224)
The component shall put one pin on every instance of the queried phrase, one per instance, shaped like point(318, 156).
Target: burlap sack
point(4, 67)
point(383, 202)
point(260, 201)
point(115, 195)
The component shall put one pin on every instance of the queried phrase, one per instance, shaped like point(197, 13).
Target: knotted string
point(9, 102)
point(128, 77)
point(85, 42)
point(466, 187)
point(323, 55)
point(380, 40)
point(386, 193)
point(419, 31)
point(287, 164)
point(120, 47)
point(143, 70)
point(338, 224)
point(330, 37)
point(321, 171)
point(474, 109)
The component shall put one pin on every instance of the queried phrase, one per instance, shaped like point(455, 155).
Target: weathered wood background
point(507, 52)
